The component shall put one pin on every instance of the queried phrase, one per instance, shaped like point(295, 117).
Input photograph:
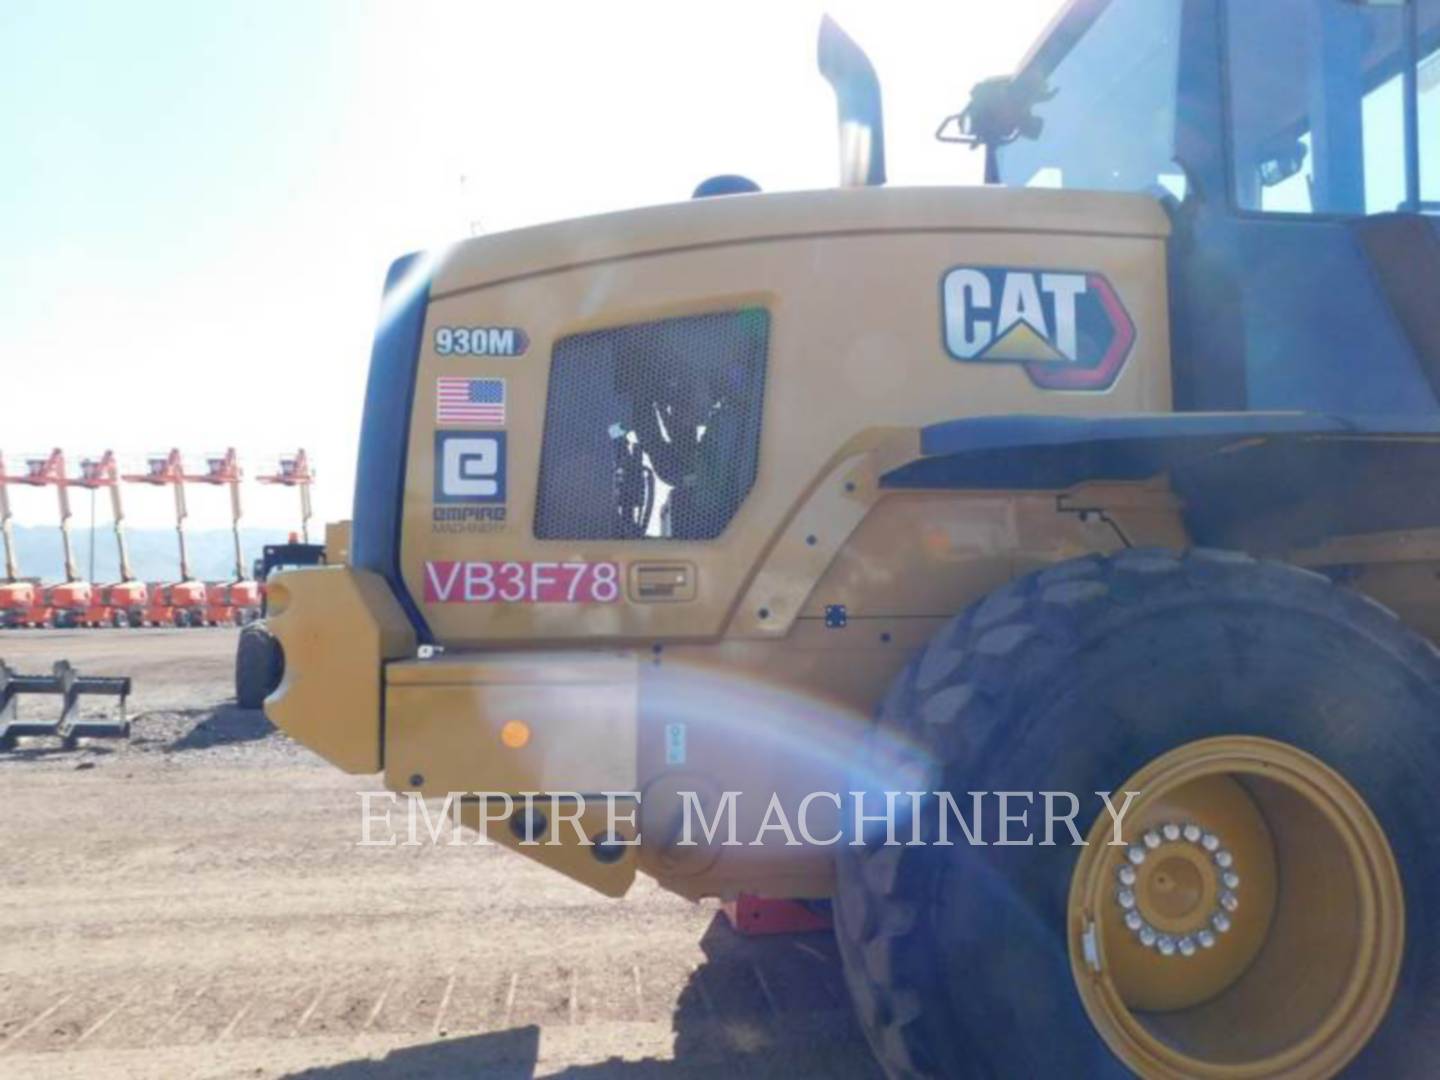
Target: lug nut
point(1147, 936)
point(1206, 939)
point(1192, 833)
point(1224, 860)
point(1134, 920)
point(1231, 879)
point(1126, 899)
point(1209, 841)
point(1166, 945)
point(1126, 875)
point(1229, 901)
point(1187, 946)
point(1136, 854)
point(1221, 922)
point(1171, 832)
point(1152, 839)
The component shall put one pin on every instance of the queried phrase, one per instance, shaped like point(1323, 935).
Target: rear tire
point(259, 666)
point(959, 958)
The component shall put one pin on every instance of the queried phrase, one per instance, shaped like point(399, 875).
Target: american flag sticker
point(469, 401)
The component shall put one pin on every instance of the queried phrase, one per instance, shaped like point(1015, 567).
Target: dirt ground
point(193, 903)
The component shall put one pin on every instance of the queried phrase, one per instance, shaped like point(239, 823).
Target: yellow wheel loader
point(1047, 573)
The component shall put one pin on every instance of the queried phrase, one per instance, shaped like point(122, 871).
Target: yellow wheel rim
point(1251, 924)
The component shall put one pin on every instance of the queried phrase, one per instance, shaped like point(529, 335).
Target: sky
point(200, 199)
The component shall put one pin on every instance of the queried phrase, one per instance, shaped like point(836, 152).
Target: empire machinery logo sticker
point(469, 481)
point(1068, 329)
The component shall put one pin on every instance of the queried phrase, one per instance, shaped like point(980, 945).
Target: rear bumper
point(337, 627)
point(613, 745)
point(355, 693)
point(484, 727)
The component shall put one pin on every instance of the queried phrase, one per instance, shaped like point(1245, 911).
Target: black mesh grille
point(652, 431)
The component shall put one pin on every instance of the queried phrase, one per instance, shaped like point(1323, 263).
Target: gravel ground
point(182, 701)
point(192, 903)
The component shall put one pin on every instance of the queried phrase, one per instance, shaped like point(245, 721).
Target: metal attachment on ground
point(69, 727)
point(1174, 835)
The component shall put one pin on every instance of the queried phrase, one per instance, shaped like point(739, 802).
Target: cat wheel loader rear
point(1094, 510)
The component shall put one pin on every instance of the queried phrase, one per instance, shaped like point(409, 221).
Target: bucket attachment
point(69, 727)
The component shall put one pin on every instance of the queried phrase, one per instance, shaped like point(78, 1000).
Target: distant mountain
point(154, 553)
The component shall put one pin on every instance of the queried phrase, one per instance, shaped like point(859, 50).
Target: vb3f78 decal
point(1068, 329)
point(522, 582)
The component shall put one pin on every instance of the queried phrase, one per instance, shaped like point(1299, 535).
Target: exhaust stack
point(857, 96)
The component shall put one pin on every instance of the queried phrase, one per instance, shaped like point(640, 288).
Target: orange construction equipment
point(179, 603)
point(21, 600)
point(295, 472)
point(122, 603)
point(69, 601)
point(238, 600)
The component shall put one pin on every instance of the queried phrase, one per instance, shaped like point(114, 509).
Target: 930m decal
point(481, 341)
point(1069, 330)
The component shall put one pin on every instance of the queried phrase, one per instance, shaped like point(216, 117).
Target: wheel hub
point(1250, 926)
point(1177, 889)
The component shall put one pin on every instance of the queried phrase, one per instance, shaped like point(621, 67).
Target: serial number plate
point(522, 583)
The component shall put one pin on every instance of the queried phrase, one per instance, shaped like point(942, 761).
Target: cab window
point(1428, 88)
point(1318, 98)
point(1110, 125)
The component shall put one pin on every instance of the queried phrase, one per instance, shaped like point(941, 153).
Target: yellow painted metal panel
point(337, 627)
point(444, 719)
point(852, 282)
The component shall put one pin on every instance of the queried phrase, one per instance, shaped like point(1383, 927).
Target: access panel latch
point(668, 582)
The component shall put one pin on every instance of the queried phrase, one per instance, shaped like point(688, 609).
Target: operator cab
point(277, 558)
point(1325, 107)
point(1296, 144)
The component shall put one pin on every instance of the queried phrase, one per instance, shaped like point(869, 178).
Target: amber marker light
point(515, 734)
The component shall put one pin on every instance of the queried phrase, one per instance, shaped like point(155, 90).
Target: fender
point(1266, 482)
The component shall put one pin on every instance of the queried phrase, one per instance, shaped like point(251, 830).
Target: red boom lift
point(69, 601)
point(21, 601)
point(124, 602)
point(236, 601)
point(180, 603)
point(295, 472)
